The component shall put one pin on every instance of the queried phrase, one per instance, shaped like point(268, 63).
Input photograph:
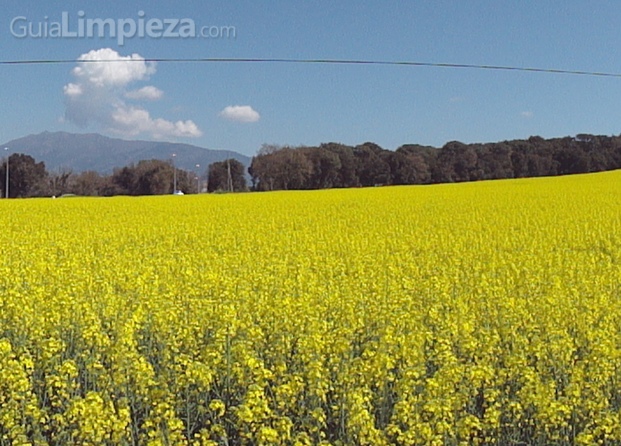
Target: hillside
point(81, 152)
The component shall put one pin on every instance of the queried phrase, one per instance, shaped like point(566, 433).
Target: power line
point(316, 62)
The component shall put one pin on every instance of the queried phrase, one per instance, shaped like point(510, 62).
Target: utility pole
point(6, 188)
point(174, 174)
point(198, 179)
point(229, 179)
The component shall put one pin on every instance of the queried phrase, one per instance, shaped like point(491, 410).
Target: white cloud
point(148, 93)
point(240, 113)
point(132, 121)
point(111, 71)
point(526, 114)
point(97, 96)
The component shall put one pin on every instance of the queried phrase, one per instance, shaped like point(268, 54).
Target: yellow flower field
point(483, 313)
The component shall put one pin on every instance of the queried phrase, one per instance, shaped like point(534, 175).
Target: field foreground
point(480, 313)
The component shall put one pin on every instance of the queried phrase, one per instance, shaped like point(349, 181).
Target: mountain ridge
point(92, 151)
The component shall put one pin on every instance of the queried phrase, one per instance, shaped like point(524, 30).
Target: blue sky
point(242, 106)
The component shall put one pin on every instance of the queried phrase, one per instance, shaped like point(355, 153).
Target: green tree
point(27, 178)
point(325, 168)
point(154, 177)
point(372, 168)
point(227, 175)
point(276, 168)
point(149, 177)
point(347, 175)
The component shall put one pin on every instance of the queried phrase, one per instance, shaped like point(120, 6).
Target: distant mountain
point(81, 152)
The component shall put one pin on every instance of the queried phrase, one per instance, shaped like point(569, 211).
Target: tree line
point(336, 165)
point(329, 165)
point(29, 178)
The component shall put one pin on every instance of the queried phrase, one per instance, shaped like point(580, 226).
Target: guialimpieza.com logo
point(69, 27)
